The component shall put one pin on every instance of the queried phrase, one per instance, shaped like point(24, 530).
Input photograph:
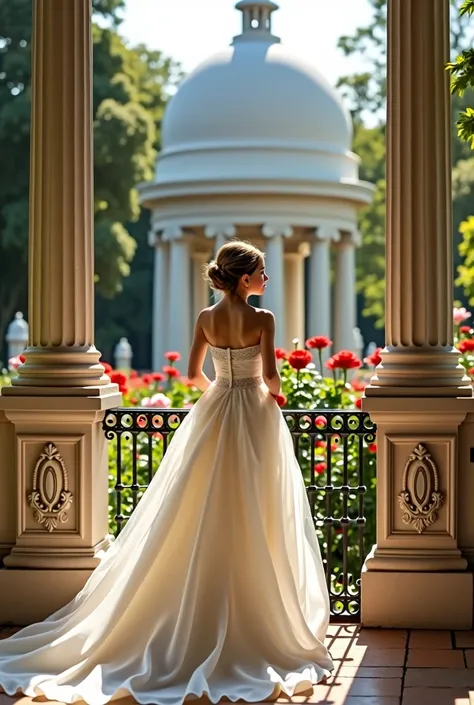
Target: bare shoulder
point(266, 318)
point(203, 315)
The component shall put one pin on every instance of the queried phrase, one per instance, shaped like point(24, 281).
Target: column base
point(427, 600)
point(31, 596)
point(57, 558)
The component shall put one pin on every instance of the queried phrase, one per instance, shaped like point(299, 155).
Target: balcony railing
point(336, 453)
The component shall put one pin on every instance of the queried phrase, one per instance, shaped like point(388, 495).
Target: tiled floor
point(384, 667)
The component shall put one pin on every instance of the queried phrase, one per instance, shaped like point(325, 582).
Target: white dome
point(253, 122)
point(256, 92)
point(256, 111)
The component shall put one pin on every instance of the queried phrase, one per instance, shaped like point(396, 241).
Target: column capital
point(172, 233)
point(328, 232)
point(224, 230)
point(277, 230)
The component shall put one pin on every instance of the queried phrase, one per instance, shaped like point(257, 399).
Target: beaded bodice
point(238, 368)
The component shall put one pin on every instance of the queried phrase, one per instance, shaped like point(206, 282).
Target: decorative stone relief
point(50, 498)
point(420, 497)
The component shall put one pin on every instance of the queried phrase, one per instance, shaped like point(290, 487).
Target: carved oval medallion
point(420, 498)
point(50, 498)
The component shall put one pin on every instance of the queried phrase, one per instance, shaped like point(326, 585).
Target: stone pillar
point(57, 402)
point(415, 576)
point(179, 294)
point(161, 301)
point(274, 296)
point(200, 285)
point(319, 314)
point(295, 299)
point(220, 234)
point(344, 317)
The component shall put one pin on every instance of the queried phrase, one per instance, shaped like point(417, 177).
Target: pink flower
point(460, 315)
point(15, 362)
point(157, 401)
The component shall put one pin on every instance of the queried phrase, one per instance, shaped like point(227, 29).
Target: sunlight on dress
point(216, 585)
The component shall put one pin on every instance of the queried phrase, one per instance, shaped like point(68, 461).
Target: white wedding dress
point(215, 586)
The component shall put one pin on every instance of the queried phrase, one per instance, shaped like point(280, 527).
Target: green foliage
point(466, 268)
point(130, 88)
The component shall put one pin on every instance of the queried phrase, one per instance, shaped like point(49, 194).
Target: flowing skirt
point(215, 587)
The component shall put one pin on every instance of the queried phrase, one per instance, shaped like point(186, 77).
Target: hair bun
point(217, 277)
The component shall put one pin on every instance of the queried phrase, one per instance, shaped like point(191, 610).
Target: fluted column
point(220, 234)
point(200, 286)
point(274, 296)
point(160, 300)
point(55, 442)
point(319, 304)
point(179, 294)
point(61, 348)
point(419, 359)
point(294, 297)
point(419, 460)
point(344, 295)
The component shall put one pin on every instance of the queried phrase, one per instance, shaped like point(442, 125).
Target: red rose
point(171, 371)
point(330, 364)
point(470, 372)
point(374, 359)
point(299, 359)
point(133, 374)
point(22, 358)
point(281, 354)
point(121, 379)
point(465, 329)
point(358, 403)
point(319, 468)
point(173, 356)
point(466, 345)
point(319, 342)
point(358, 385)
point(158, 376)
point(344, 360)
point(108, 369)
point(320, 444)
point(280, 399)
point(372, 447)
point(133, 401)
point(147, 379)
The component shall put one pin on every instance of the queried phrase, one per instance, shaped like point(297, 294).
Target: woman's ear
point(246, 280)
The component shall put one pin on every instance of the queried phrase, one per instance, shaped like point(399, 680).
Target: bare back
point(232, 324)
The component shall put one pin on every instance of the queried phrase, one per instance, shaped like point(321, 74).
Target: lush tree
point(129, 93)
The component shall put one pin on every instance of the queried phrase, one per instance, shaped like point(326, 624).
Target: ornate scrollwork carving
point(51, 497)
point(420, 497)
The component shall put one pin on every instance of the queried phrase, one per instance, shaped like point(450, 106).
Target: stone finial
point(17, 335)
point(123, 354)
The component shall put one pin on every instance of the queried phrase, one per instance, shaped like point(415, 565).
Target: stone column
point(179, 294)
point(344, 317)
point(319, 314)
point(274, 296)
point(57, 402)
point(161, 301)
point(220, 234)
point(200, 285)
point(415, 575)
point(295, 308)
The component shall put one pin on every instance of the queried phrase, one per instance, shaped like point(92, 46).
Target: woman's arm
point(267, 346)
point(196, 358)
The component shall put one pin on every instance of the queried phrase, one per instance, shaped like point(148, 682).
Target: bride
point(216, 585)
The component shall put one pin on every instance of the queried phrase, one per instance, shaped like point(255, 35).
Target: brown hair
point(233, 260)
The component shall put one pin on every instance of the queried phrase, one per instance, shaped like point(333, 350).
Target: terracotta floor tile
point(435, 658)
point(440, 677)
point(368, 672)
point(464, 640)
point(343, 631)
point(367, 656)
point(375, 700)
point(339, 691)
point(422, 639)
point(382, 638)
point(435, 696)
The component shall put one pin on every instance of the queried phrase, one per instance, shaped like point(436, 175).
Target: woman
point(216, 585)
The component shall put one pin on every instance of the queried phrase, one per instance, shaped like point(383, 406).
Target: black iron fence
point(336, 453)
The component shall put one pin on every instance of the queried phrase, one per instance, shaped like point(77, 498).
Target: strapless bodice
point(238, 368)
